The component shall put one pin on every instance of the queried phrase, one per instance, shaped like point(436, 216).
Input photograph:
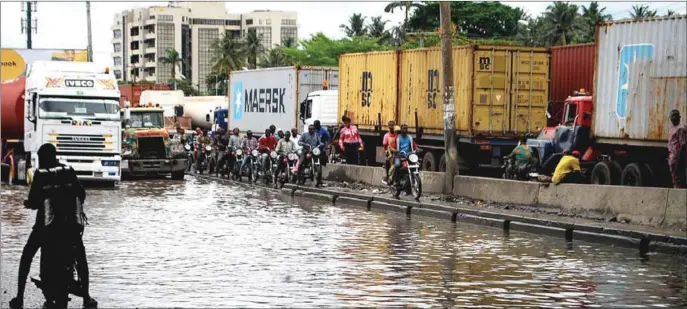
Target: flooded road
point(202, 243)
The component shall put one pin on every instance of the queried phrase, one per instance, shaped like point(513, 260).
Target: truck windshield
point(146, 120)
point(68, 108)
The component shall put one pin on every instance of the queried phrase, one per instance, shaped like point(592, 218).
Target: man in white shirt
point(295, 137)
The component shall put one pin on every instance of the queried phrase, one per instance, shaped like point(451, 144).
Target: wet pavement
point(204, 243)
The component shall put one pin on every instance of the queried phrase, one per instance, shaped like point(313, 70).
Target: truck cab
point(146, 146)
point(322, 105)
point(74, 106)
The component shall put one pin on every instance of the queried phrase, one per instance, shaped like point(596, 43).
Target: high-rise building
point(141, 38)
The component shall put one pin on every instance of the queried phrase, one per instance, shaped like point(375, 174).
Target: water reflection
point(199, 243)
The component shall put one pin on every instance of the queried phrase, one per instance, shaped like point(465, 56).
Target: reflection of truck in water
point(622, 129)
point(146, 146)
point(73, 105)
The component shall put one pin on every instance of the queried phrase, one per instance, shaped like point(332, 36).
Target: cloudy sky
point(63, 24)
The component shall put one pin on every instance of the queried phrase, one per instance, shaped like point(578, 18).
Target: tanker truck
point(74, 106)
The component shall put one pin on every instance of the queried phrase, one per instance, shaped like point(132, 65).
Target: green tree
point(592, 15)
point(533, 32)
point(229, 54)
point(274, 58)
point(564, 23)
point(185, 86)
point(288, 42)
point(253, 47)
point(406, 6)
point(641, 12)
point(355, 27)
point(172, 57)
point(377, 29)
point(670, 13)
point(320, 50)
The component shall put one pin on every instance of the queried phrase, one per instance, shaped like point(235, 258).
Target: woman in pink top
point(677, 151)
point(350, 141)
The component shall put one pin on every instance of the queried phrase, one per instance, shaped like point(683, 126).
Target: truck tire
point(442, 163)
point(178, 175)
point(604, 173)
point(429, 163)
point(635, 175)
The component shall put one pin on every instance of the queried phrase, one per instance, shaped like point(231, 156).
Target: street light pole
point(90, 36)
point(449, 97)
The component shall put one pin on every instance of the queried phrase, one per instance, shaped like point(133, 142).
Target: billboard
point(15, 60)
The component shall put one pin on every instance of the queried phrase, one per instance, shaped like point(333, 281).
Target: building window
point(249, 21)
point(268, 21)
point(266, 33)
point(134, 45)
point(288, 22)
point(214, 22)
point(166, 18)
point(117, 61)
point(186, 50)
point(151, 17)
point(117, 34)
point(289, 32)
point(165, 40)
point(134, 31)
point(233, 22)
point(118, 74)
point(117, 47)
point(206, 37)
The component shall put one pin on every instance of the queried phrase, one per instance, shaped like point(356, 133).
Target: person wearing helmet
point(249, 143)
point(280, 134)
point(568, 169)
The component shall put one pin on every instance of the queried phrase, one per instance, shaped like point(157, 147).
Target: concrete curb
point(643, 242)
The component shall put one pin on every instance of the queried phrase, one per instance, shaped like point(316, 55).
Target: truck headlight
point(413, 158)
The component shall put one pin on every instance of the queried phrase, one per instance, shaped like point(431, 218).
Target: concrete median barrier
point(676, 210)
point(496, 190)
point(432, 182)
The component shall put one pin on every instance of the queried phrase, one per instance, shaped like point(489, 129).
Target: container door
point(529, 91)
point(490, 111)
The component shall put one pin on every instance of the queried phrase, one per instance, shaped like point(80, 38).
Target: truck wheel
point(178, 175)
point(429, 163)
point(635, 175)
point(601, 174)
point(442, 163)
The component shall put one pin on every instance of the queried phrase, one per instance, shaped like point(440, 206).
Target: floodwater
point(203, 243)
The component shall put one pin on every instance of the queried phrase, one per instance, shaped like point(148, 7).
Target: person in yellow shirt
point(568, 169)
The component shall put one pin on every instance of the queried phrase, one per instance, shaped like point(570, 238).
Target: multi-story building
point(141, 38)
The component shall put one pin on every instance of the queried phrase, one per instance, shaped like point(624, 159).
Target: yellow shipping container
point(498, 90)
point(368, 87)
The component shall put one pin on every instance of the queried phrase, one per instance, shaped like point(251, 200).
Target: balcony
point(150, 50)
point(150, 64)
point(150, 35)
point(150, 78)
point(149, 22)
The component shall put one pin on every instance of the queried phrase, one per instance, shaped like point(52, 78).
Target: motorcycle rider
point(249, 143)
point(203, 140)
point(220, 144)
point(309, 138)
point(280, 134)
point(284, 147)
point(58, 184)
point(266, 143)
point(324, 137)
point(295, 137)
point(388, 137)
point(404, 142)
point(181, 135)
point(273, 129)
point(235, 142)
point(523, 155)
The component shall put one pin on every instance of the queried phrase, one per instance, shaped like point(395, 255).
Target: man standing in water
point(677, 151)
point(58, 184)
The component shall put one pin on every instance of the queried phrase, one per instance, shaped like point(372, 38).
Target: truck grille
point(152, 147)
point(81, 143)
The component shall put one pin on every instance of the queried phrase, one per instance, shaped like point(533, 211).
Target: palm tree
point(404, 5)
point(641, 12)
point(172, 57)
point(253, 45)
point(592, 15)
point(563, 22)
point(355, 27)
point(288, 42)
point(377, 28)
point(229, 55)
point(670, 13)
point(274, 58)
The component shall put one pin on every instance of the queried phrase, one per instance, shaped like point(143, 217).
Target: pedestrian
point(58, 184)
point(350, 141)
point(677, 151)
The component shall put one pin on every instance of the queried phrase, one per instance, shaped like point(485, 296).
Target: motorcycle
point(310, 168)
point(254, 166)
point(271, 169)
point(190, 160)
point(512, 171)
point(212, 158)
point(223, 156)
point(237, 173)
point(408, 176)
point(290, 161)
point(201, 164)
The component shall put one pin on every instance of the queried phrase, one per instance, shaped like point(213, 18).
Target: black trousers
point(351, 152)
point(574, 177)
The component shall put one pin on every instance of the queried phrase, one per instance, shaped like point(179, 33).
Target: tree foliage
point(641, 11)
point(356, 26)
point(172, 57)
point(323, 51)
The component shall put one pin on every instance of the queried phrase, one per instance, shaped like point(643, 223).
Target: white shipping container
point(260, 98)
point(641, 75)
point(167, 99)
point(199, 108)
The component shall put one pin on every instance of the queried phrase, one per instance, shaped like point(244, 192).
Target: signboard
point(14, 61)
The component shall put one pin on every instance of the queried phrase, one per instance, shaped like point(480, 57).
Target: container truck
point(171, 101)
point(572, 69)
point(501, 93)
point(622, 129)
point(201, 109)
point(73, 105)
point(284, 97)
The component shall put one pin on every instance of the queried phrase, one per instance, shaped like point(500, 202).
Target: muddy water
point(201, 243)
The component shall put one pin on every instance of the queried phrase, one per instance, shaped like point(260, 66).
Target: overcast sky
point(63, 24)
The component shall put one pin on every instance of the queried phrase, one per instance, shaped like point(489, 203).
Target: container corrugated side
point(311, 79)
point(368, 87)
point(572, 68)
point(421, 88)
point(641, 75)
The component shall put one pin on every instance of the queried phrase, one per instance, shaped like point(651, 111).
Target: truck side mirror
point(179, 110)
point(301, 111)
point(207, 117)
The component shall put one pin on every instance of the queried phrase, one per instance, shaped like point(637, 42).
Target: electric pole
point(29, 24)
point(449, 97)
point(90, 37)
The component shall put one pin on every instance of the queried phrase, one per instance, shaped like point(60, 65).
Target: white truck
point(74, 106)
point(282, 97)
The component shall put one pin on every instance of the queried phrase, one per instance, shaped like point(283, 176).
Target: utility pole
point(90, 36)
point(449, 97)
point(29, 24)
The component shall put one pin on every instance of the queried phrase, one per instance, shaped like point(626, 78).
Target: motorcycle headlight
point(254, 152)
point(239, 152)
point(316, 151)
point(413, 158)
point(293, 156)
point(273, 154)
point(187, 147)
point(208, 148)
point(299, 152)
